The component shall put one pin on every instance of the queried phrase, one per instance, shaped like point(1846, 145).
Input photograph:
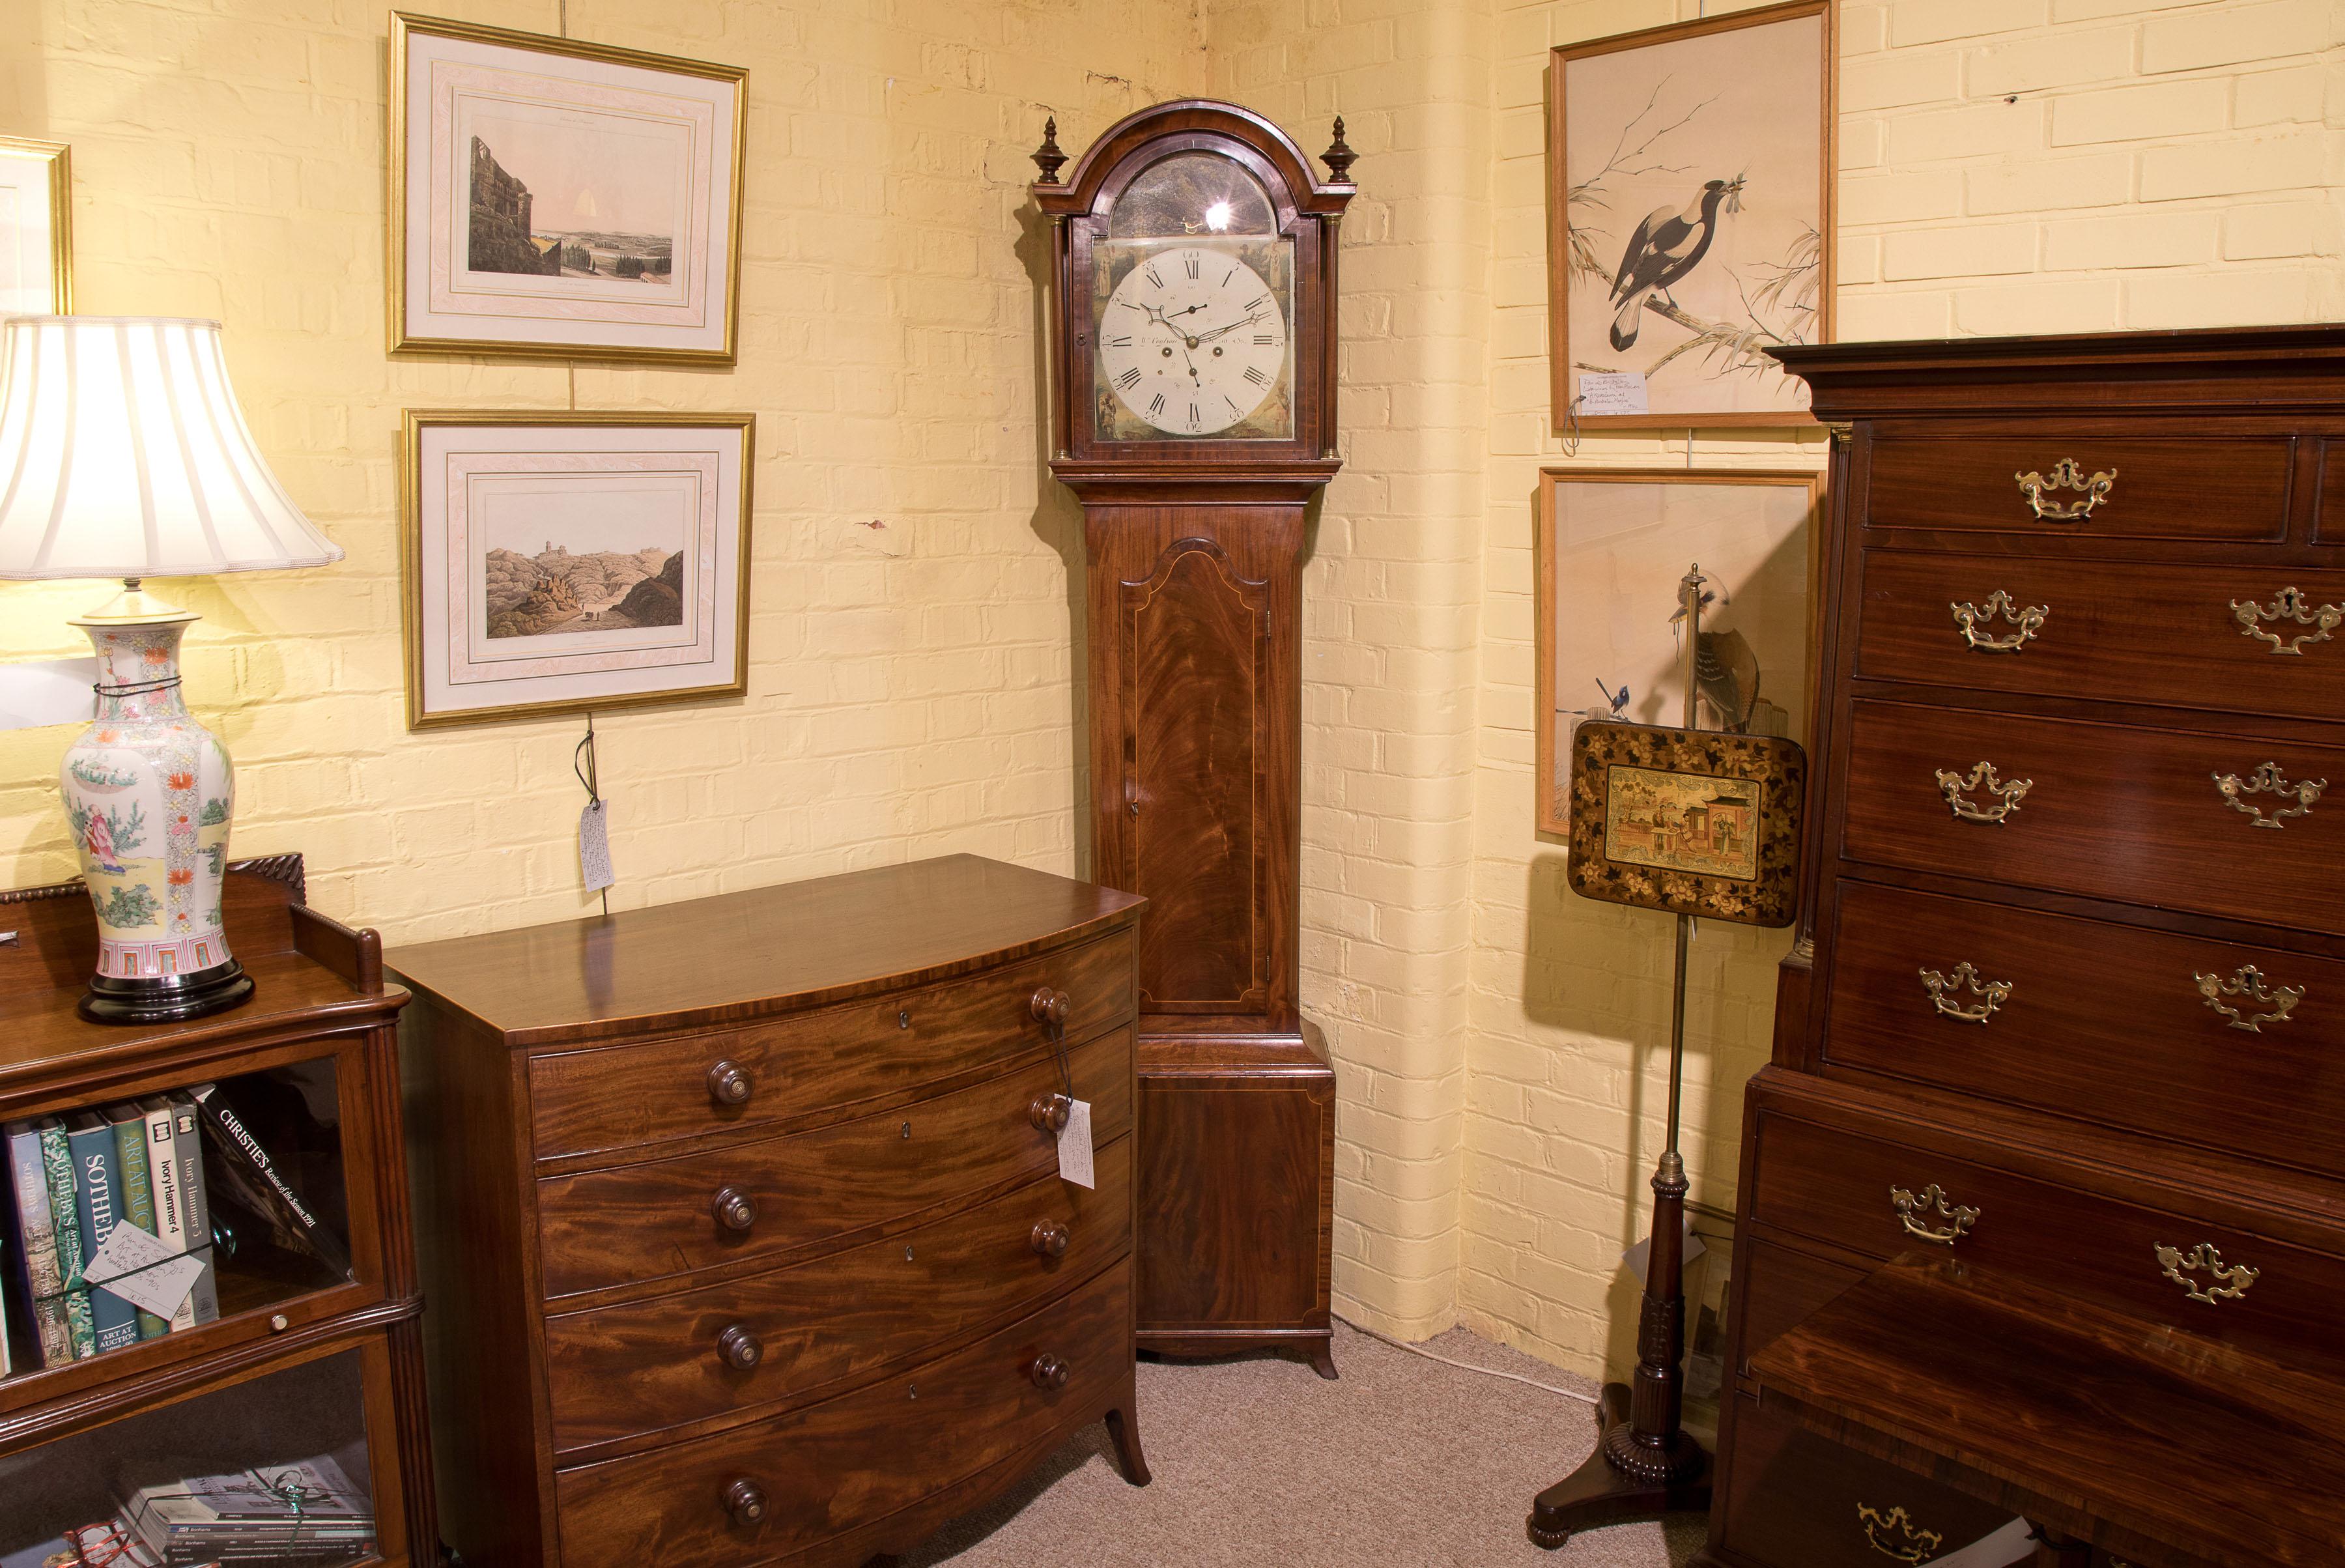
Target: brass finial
point(1338, 157)
point(1048, 157)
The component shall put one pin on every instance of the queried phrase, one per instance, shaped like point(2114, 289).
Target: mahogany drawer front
point(615, 1097)
point(1780, 1286)
point(2186, 486)
point(824, 1469)
point(658, 1218)
point(2108, 811)
point(621, 1371)
point(1837, 1187)
point(2083, 1017)
point(2178, 636)
point(1794, 1500)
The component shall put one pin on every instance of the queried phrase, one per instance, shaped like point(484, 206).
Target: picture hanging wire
point(582, 762)
point(1571, 424)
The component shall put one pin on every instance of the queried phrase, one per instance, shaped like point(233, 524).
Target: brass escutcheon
point(1914, 1209)
point(2066, 475)
point(1956, 788)
point(1895, 1535)
point(2291, 604)
point(2029, 620)
point(2268, 779)
point(1945, 990)
point(2230, 1283)
point(2248, 982)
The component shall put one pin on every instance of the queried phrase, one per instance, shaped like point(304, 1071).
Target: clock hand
point(1217, 331)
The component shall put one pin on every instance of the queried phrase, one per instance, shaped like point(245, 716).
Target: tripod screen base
point(1597, 1494)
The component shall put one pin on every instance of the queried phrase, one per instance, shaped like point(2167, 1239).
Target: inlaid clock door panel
point(1196, 727)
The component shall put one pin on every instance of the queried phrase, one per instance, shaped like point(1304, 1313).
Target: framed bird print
point(1611, 545)
point(1689, 203)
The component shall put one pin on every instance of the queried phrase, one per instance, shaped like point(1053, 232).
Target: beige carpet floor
point(1403, 1463)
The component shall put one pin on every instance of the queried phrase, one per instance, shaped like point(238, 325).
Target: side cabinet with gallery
point(1690, 171)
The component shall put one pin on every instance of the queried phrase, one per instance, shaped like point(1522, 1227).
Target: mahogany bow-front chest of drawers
point(2069, 1007)
point(743, 1225)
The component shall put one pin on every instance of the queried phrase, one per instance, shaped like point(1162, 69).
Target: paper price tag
point(143, 1271)
point(1637, 1257)
point(594, 846)
point(1075, 1145)
point(1611, 391)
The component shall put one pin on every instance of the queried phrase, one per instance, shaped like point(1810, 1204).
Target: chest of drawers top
point(741, 958)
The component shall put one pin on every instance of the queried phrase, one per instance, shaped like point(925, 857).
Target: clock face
point(1192, 342)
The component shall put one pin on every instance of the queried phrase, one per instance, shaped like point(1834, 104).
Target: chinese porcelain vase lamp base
point(122, 453)
point(149, 793)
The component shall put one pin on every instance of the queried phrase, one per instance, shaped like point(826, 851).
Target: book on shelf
point(244, 1170)
point(33, 1247)
point(98, 1206)
point(195, 1202)
point(138, 1196)
point(57, 1162)
point(308, 1511)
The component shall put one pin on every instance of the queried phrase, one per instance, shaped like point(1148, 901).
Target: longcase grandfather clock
point(1192, 370)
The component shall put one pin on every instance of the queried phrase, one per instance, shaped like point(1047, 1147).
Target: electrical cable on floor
point(1468, 1366)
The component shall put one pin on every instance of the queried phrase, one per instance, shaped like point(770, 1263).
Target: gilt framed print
point(1611, 545)
point(562, 562)
point(35, 227)
point(557, 200)
point(1692, 821)
point(1689, 209)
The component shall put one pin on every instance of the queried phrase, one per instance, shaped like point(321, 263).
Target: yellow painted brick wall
point(910, 687)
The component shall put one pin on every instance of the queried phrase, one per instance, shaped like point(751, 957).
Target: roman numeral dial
point(1193, 340)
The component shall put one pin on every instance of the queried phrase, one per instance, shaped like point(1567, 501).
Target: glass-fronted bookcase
point(242, 1380)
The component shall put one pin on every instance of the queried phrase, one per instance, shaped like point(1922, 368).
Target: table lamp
point(123, 454)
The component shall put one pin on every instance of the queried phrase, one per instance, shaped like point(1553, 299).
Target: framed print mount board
point(557, 562)
point(1689, 209)
point(551, 198)
point(35, 227)
point(1609, 543)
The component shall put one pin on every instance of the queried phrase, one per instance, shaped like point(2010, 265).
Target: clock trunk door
point(1196, 711)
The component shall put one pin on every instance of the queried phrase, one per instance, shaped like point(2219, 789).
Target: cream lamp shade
point(123, 454)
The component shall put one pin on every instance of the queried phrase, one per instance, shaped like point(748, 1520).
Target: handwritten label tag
point(2007, 1548)
point(1075, 1145)
point(1611, 391)
point(143, 1271)
point(594, 846)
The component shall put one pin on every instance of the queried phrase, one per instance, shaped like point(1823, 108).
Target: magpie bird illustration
point(1668, 244)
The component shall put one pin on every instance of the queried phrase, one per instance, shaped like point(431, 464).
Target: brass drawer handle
point(1893, 1534)
point(1944, 989)
point(2291, 604)
point(744, 1500)
point(2268, 779)
point(734, 1209)
point(739, 1349)
point(2029, 620)
point(2066, 475)
point(1050, 1238)
point(2204, 1258)
point(729, 1083)
point(1048, 1373)
point(1915, 1209)
point(2248, 982)
point(1050, 1112)
point(2007, 796)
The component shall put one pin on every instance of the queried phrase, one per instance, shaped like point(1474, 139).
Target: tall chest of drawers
point(743, 1225)
point(2068, 1005)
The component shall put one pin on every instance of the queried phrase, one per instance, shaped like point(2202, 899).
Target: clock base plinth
point(1236, 1177)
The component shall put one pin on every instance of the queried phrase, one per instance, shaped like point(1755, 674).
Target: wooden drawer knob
point(735, 1209)
point(1051, 1007)
point(744, 1500)
point(1050, 1237)
point(1050, 1112)
point(729, 1083)
point(1049, 1372)
point(739, 1349)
